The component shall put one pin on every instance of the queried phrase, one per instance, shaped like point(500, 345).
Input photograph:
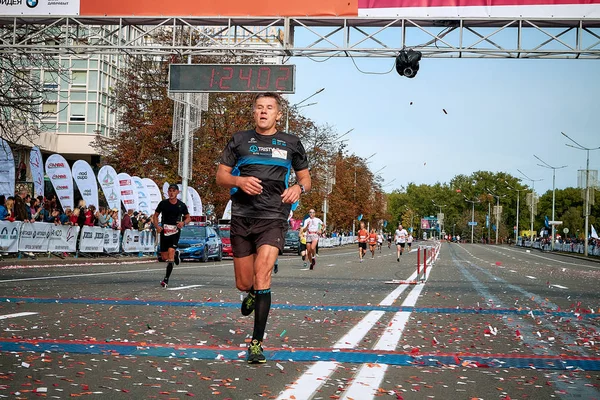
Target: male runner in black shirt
point(256, 165)
point(174, 217)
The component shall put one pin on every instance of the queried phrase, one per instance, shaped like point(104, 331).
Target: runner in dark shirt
point(256, 166)
point(174, 217)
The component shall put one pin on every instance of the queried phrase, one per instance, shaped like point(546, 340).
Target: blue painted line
point(298, 355)
point(297, 307)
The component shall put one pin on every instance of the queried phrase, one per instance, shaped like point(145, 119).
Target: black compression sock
point(169, 270)
point(262, 306)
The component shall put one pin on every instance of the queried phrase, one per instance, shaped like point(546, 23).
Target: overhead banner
point(196, 202)
point(483, 9)
point(39, 7)
point(9, 236)
point(37, 171)
point(107, 178)
point(280, 8)
point(153, 192)
point(7, 170)
point(86, 182)
point(142, 195)
point(63, 238)
point(59, 173)
point(129, 196)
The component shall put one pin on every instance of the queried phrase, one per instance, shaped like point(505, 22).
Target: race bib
point(169, 230)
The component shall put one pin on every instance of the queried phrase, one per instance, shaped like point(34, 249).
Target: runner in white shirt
point(400, 237)
point(409, 241)
point(313, 227)
point(379, 241)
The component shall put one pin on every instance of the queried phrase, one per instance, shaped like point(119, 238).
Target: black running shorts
point(167, 242)
point(362, 245)
point(248, 234)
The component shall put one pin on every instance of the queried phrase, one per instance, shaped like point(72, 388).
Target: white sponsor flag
point(196, 202)
point(59, 173)
point(37, 171)
point(142, 195)
point(107, 178)
point(227, 212)
point(7, 170)
point(128, 192)
point(153, 193)
point(594, 233)
point(86, 182)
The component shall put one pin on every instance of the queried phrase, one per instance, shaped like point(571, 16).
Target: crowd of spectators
point(23, 207)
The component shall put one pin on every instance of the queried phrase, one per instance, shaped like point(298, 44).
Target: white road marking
point(530, 277)
point(184, 287)
point(560, 286)
point(21, 314)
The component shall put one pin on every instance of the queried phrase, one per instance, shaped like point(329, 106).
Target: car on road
point(224, 232)
point(199, 242)
point(292, 242)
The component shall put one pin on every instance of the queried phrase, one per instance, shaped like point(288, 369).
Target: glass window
point(76, 128)
point(50, 80)
point(49, 110)
point(79, 78)
point(91, 114)
point(78, 96)
point(77, 112)
point(80, 64)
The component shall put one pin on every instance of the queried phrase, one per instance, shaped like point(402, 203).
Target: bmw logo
point(31, 3)
point(254, 148)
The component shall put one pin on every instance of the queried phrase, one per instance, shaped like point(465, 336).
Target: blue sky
point(500, 113)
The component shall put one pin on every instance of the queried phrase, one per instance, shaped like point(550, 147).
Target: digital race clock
point(231, 78)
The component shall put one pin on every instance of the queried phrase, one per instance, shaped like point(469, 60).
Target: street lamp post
point(442, 222)
point(587, 187)
point(517, 224)
point(287, 112)
point(546, 165)
point(472, 214)
point(533, 181)
point(497, 212)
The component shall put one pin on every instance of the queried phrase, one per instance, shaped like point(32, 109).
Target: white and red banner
point(107, 178)
point(36, 166)
point(63, 238)
point(580, 9)
point(59, 172)
point(142, 195)
point(9, 236)
point(153, 192)
point(227, 212)
point(196, 209)
point(39, 7)
point(7, 170)
point(129, 196)
point(86, 182)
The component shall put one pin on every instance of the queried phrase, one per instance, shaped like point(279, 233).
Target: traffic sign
point(472, 223)
point(566, 230)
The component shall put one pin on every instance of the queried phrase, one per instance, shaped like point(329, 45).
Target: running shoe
point(164, 283)
point(176, 258)
point(305, 264)
point(255, 353)
point(398, 259)
point(248, 304)
point(312, 263)
point(276, 268)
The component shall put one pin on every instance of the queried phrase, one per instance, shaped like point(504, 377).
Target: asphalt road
point(490, 322)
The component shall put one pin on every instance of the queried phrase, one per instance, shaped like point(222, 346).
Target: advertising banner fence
point(112, 240)
point(35, 237)
point(63, 238)
point(91, 239)
point(9, 236)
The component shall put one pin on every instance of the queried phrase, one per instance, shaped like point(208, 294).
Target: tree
point(28, 82)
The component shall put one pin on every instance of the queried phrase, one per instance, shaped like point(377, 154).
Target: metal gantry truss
point(318, 37)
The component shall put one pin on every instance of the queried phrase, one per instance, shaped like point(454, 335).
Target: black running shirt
point(171, 213)
point(269, 158)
